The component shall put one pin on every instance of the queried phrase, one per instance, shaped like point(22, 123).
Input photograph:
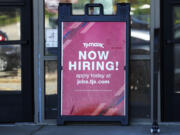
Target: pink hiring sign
point(93, 76)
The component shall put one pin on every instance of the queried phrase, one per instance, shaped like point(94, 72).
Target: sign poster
point(51, 38)
point(93, 75)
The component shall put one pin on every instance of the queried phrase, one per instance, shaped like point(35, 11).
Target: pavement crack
point(37, 130)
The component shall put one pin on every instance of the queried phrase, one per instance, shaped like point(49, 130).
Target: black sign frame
point(65, 15)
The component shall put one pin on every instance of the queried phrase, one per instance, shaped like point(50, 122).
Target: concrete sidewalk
point(86, 130)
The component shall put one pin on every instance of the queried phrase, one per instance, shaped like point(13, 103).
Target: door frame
point(26, 43)
point(155, 24)
point(38, 33)
point(166, 36)
point(39, 63)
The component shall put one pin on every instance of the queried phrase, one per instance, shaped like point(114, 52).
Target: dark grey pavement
point(86, 130)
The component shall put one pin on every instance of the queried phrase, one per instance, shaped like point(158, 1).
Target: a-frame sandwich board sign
point(93, 65)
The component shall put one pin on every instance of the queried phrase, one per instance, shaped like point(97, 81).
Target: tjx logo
point(86, 45)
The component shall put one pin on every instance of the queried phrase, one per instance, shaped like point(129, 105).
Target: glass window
point(51, 89)
point(10, 68)
point(140, 21)
point(140, 89)
point(177, 23)
point(140, 26)
point(177, 49)
point(9, 24)
point(177, 68)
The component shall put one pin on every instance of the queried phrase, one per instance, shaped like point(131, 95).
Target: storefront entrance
point(16, 61)
point(171, 60)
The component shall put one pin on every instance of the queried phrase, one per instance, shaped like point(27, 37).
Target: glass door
point(16, 63)
point(171, 61)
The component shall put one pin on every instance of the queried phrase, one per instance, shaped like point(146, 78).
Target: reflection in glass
point(177, 68)
point(10, 68)
point(140, 89)
point(140, 27)
point(51, 89)
point(140, 20)
point(108, 6)
point(9, 24)
point(177, 23)
point(51, 77)
point(177, 50)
